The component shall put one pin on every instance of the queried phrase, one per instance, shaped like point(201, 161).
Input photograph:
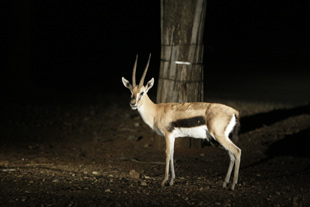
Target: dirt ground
point(93, 150)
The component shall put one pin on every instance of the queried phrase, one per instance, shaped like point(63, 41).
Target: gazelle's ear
point(126, 83)
point(149, 85)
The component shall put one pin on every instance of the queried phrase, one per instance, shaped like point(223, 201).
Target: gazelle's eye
point(141, 94)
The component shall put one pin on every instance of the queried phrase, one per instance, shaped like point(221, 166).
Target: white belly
point(194, 132)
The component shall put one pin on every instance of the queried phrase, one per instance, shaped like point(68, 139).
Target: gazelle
point(197, 120)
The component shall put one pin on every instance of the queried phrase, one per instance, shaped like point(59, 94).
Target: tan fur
point(159, 117)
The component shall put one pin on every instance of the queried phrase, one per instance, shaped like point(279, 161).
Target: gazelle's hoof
point(232, 187)
point(163, 183)
point(224, 185)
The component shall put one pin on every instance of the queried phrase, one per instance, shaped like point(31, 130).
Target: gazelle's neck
point(148, 111)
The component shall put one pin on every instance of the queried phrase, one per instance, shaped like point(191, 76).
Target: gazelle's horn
point(134, 72)
point(145, 71)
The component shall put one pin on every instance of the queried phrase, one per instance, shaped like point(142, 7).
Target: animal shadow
point(256, 121)
point(292, 145)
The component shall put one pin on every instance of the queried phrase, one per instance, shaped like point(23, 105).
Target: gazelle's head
point(138, 91)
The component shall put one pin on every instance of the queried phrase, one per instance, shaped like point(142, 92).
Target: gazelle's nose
point(132, 102)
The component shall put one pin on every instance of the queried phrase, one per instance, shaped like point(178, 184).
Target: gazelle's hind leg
point(237, 165)
point(235, 157)
point(231, 165)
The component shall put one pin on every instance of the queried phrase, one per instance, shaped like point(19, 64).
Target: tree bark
point(181, 66)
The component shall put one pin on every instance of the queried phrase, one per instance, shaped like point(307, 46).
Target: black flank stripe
point(187, 123)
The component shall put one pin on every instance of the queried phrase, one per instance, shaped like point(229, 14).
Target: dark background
point(64, 111)
point(72, 46)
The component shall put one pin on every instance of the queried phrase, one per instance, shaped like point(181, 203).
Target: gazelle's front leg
point(172, 139)
point(169, 160)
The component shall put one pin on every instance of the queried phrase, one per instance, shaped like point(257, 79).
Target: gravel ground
point(93, 150)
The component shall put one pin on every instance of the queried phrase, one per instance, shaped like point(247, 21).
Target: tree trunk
point(181, 66)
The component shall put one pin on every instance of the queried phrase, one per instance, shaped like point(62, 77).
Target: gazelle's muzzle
point(133, 104)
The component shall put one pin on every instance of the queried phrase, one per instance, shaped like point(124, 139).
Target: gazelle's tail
point(235, 130)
